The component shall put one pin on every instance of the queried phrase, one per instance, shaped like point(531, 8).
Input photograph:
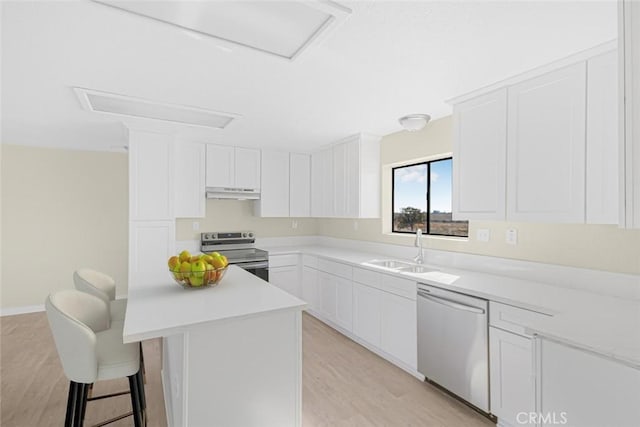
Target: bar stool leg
point(71, 401)
point(135, 400)
point(81, 403)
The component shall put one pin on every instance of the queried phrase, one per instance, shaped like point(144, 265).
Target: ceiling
point(386, 60)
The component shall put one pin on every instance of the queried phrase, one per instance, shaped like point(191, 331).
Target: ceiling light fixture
point(121, 105)
point(414, 122)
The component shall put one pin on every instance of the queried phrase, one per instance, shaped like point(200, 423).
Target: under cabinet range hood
point(233, 193)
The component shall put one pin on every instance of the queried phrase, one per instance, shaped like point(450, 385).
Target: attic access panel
point(281, 28)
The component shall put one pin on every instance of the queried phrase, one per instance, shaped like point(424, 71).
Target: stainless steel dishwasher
point(453, 343)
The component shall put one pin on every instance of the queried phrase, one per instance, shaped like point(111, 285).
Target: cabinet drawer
point(283, 260)
point(511, 318)
point(367, 277)
point(398, 286)
point(310, 261)
point(335, 268)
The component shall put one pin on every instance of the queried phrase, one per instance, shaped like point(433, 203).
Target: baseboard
point(12, 311)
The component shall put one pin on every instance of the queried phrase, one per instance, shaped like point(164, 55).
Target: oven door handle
point(261, 264)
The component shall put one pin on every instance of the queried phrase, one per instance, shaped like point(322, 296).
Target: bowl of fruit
point(197, 271)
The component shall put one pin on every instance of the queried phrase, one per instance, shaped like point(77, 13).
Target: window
point(422, 199)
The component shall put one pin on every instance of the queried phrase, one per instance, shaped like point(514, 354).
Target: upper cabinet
point(480, 142)
point(189, 179)
point(546, 147)
point(232, 167)
point(286, 185)
point(346, 179)
point(541, 147)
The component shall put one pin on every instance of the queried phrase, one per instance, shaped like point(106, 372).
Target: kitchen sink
point(390, 263)
point(416, 268)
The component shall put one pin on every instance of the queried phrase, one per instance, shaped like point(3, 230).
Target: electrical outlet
point(195, 225)
point(355, 225)
point(511, 236)
point(294, 224)
point(483, 234)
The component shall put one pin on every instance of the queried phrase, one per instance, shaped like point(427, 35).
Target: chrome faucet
point(419, 259)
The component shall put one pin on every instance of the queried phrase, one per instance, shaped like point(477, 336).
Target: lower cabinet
point(586, 390)
point(386, 321)
point(286, 278)
point(336, 299)
point(399, 335)
point(310, 292)
point(512, 379)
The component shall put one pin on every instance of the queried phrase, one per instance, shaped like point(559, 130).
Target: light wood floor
point(344, 384)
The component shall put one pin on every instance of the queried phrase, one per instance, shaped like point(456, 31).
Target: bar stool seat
point(91, 349)
point(104, 287)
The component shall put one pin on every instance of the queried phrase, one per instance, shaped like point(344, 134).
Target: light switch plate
point(483, 234)
point(195, 225)
point(511, 236)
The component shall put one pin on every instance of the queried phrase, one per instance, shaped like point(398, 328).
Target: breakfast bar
point(231, 354)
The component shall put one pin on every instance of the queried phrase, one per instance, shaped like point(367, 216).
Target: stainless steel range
point(239, 249)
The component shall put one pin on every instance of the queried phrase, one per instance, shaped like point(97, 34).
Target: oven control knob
point(250, 235)
point(244, 234)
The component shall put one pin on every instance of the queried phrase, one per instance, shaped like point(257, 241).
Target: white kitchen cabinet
point(247, 168)
point(220, 166)
point(588, 389)
point(367, 313)
point(340, 180)
point(327, 287)
point(398, 334)
point(602, 140)
point(151, 243)
point(512, 379)
point(232, 167)
point(299, 185)
point(344, 302)
point(286, 278)
point(629, 73)
point(310, 292)
point(346, 179)
point(150, 176)
point(274, 197)
point(546, 147)
point(322, 203)
point(479, 159)
point(189, 180)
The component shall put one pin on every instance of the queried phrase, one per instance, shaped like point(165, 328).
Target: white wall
point(61, 210)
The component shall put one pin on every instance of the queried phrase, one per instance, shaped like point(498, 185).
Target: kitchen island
point(231, 355)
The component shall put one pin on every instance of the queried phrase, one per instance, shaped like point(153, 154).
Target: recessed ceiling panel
point(104, 102)
point(282, 28)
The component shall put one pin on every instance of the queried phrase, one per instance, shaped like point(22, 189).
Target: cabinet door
point(546, 147)
point(151, 243)
point(590, 390)
point(310, 288)
point(512, 380)
point(285, 278)
point(299, 185)
point(602, 139)
point(366, 313)
point(150, 176)
point(247, 168)
point(479, 157)
point(220, 166)
point(328, 200)
point(352, 179)
point(344, 302)
point(189, 180)
point(340, 180)
point(274, 197)
point(328, 295)
point(399, 335)
point(317, 184)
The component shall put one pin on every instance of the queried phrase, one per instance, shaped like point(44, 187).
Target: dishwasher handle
point(450, 303)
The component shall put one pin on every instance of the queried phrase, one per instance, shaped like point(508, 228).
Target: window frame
point(427, 196)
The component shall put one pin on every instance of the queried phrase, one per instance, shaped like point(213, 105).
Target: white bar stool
point(90, 348)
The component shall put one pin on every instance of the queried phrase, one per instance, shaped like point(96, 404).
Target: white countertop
point(166, 308)
point(606, 325)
